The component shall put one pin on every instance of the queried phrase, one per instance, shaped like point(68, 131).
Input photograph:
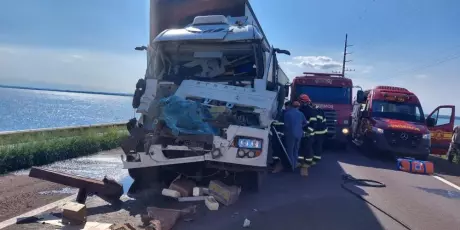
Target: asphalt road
point(289, 201)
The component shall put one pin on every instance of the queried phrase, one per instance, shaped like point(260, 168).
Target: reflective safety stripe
point(300, 158)
point(280, 133)
point(311, 129)
point(321, 132)
point(275, 158)
point(319, 117)
point(324, 120)
point(317, 157)
point(312, 119)
point(308, 159)
point(278, 123)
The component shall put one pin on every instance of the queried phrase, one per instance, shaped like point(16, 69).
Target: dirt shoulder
point(20, 194)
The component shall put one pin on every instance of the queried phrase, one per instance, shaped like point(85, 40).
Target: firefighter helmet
point(304, 98)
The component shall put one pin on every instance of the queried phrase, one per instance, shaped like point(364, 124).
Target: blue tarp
point(185, 116)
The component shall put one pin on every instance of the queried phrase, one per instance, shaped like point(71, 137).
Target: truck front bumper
point(223, 151)
point(340, 134)
point(380, 142)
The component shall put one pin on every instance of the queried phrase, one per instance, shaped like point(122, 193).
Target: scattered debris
point(165, 219)
point(191, 198)
point(183, 186)
point(198, 191)
point(125, 226)
point(223, 193)
point(246, 223)
point(107, 189)
point(170, 193)
point(211, 203)
point(74, 213)
point(56, 221)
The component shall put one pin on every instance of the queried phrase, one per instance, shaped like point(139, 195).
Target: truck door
point(355, 118)
point(441, 132)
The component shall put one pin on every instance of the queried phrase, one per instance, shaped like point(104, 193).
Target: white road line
point(447, 182)
point(37, 211)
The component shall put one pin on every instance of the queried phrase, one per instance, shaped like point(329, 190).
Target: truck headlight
point(345, 131)
point(248, 147)
point(377, 130)
point(249, 143)
point(427, 136)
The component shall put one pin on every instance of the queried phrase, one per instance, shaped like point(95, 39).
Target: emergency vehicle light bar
point(322, 74)
point(393, 88)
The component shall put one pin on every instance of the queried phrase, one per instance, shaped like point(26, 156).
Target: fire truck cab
point(391, 120)
point(332, 93)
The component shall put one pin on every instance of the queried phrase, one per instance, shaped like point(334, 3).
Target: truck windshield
point(323, 94)
point(227, 63)
point(398, 111)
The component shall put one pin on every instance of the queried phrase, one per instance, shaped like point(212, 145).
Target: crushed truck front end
point(211, 92)
point(333, 94)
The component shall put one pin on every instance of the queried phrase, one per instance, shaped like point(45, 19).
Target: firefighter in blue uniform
point(320, 134)
point(310, 113)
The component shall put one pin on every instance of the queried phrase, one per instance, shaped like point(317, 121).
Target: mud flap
point(277, 146)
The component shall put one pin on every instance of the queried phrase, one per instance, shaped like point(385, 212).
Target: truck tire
point(253, 181)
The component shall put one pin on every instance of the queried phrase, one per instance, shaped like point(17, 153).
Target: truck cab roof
point(391, 93)
point(217, 27)
point(323, 79)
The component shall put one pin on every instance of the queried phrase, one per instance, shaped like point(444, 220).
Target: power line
point(440, 61)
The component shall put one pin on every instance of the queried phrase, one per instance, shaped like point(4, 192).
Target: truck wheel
point(253, 181)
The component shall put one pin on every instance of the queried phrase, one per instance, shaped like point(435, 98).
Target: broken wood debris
point(191, 198)
point(125, 226)
point(211, 203)
point(223, 193)
point(183, 186)
point(74, 213)
point(170, 193)
point(164, 219)
point(107, 189)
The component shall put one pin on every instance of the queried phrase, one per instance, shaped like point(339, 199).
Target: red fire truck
point(332, 93)
point(389, 119)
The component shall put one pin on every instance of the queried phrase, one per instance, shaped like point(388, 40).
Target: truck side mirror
point(280, 51)
point(430, 122)
point(360, 96)
point(286, 90)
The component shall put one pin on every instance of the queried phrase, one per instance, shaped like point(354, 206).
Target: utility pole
point(345, 55)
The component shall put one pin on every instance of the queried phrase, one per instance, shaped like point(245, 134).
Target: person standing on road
point(320, 134)
point(454, 148)
point(306, 155)
point(294, 121)
point(279, 125)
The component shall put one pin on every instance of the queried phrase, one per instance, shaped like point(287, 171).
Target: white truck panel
point(231, 94)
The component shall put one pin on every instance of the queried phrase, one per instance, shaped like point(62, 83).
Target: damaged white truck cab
point(227, 66)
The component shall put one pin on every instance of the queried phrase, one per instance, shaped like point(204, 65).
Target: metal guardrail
point(70, 128)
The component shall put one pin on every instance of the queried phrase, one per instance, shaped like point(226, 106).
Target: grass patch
point(40, 149)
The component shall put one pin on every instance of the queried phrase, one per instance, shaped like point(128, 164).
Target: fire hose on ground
point(348, 179)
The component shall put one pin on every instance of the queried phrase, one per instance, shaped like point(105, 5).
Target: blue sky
point(90, 42)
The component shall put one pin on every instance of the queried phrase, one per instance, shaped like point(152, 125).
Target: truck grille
point(403, 139)
point(331, 121)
